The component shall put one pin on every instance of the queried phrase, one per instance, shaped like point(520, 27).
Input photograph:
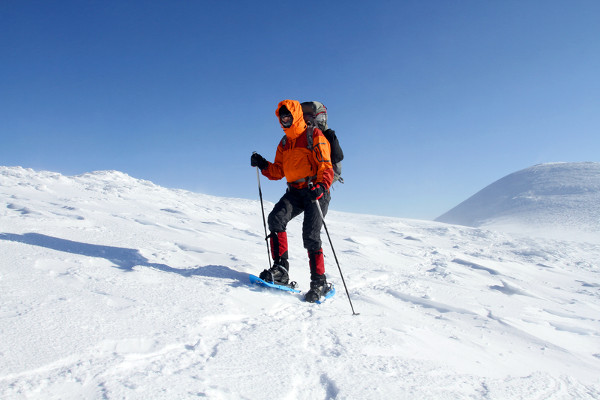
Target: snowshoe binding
point(318, 289)
point(277, 274)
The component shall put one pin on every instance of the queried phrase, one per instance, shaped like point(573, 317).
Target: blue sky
point(431, 100)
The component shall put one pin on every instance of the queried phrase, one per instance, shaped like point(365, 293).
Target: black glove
point(317, 191)
point(258, 161)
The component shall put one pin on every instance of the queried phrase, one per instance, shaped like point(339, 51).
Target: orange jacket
point(294, 160)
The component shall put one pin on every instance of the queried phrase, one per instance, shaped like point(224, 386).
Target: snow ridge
point(550, 198)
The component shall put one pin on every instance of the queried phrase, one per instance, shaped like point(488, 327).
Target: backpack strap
point(309, 137)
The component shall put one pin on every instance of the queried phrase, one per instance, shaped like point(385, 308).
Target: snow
point(560, 200)
point(113, 287)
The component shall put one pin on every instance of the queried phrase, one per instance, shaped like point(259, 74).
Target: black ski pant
point(292, 204)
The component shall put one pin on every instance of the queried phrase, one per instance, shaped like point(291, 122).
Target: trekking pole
point(262, 208)
point(335, 256)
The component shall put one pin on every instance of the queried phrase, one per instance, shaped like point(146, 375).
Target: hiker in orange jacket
point(309, 173)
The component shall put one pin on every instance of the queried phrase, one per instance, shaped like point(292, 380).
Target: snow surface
point(554, 200)
point(113, 287)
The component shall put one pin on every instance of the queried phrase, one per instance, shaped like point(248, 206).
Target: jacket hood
point(298, 126)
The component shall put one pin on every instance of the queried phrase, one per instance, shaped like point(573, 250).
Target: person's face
point(286, 120)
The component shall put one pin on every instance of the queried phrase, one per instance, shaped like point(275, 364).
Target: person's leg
point(285, 209)
point(311, 234)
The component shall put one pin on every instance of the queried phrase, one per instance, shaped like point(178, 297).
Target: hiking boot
point(318, 289)
point(277, 274)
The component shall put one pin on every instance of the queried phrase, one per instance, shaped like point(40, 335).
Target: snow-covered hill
point(558, 199)
point(113, 287)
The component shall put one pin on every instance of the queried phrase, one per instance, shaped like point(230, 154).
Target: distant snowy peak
point(545, 196)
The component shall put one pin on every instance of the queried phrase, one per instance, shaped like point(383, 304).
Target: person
point(309, 175)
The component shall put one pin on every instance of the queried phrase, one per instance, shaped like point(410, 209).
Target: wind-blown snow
point(113, 287)
point(556, 199)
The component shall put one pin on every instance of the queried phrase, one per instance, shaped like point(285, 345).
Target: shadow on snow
point(123, 258)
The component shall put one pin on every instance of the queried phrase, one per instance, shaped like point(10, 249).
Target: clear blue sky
point(432, 100)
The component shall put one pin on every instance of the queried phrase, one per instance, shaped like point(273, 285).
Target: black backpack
point(315, 115)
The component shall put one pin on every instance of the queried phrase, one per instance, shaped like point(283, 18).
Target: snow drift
point(560, 199)
point(113, 287)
